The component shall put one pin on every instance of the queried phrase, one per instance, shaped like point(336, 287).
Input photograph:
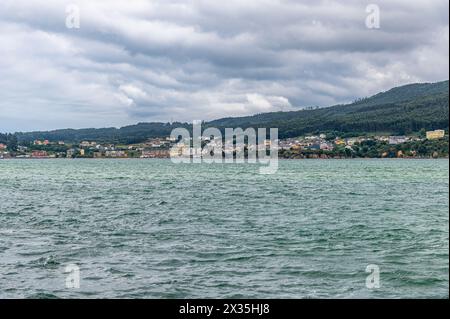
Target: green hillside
point(127, 134)
point(401, 110)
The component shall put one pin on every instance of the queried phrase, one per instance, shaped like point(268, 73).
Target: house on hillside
point(436, 134)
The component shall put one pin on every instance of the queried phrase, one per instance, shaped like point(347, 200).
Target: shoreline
point(280, 158)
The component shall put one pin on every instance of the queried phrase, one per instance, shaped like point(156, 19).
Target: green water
point(154, 229)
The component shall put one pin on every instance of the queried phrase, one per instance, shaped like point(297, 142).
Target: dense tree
point(10, 140)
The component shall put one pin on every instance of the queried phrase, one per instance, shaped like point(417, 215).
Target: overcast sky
point(137, 61)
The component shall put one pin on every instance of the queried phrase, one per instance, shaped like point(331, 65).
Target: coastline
point(280, 158)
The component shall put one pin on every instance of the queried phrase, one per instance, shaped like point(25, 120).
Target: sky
point(142, 61)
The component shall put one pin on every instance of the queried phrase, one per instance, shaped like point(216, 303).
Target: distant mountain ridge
point(400, 110)
point(406, 92)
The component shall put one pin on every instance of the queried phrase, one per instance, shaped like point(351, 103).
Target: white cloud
point(180, 60)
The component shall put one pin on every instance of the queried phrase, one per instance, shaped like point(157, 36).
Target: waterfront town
point(425, 145)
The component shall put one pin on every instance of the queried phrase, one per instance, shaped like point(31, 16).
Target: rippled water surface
point(154, 229)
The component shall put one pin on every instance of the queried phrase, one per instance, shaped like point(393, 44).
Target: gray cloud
point(185, 60)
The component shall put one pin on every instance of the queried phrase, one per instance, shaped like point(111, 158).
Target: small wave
point(43, 295)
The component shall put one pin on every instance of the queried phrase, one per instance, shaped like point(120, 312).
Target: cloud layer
point(183, 60)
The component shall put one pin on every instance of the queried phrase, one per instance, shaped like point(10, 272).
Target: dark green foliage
point(125, 135)
point(399, 111)
point(377, 149)
point(10, 140)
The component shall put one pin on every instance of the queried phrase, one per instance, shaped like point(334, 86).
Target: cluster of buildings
point(47, 142)
point(96, 150)
point(164, 147)
point(320, 142)
point(152, 148)
point(313, 142)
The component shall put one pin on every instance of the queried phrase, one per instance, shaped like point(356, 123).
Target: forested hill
point(127, 134)
point(401, 110)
